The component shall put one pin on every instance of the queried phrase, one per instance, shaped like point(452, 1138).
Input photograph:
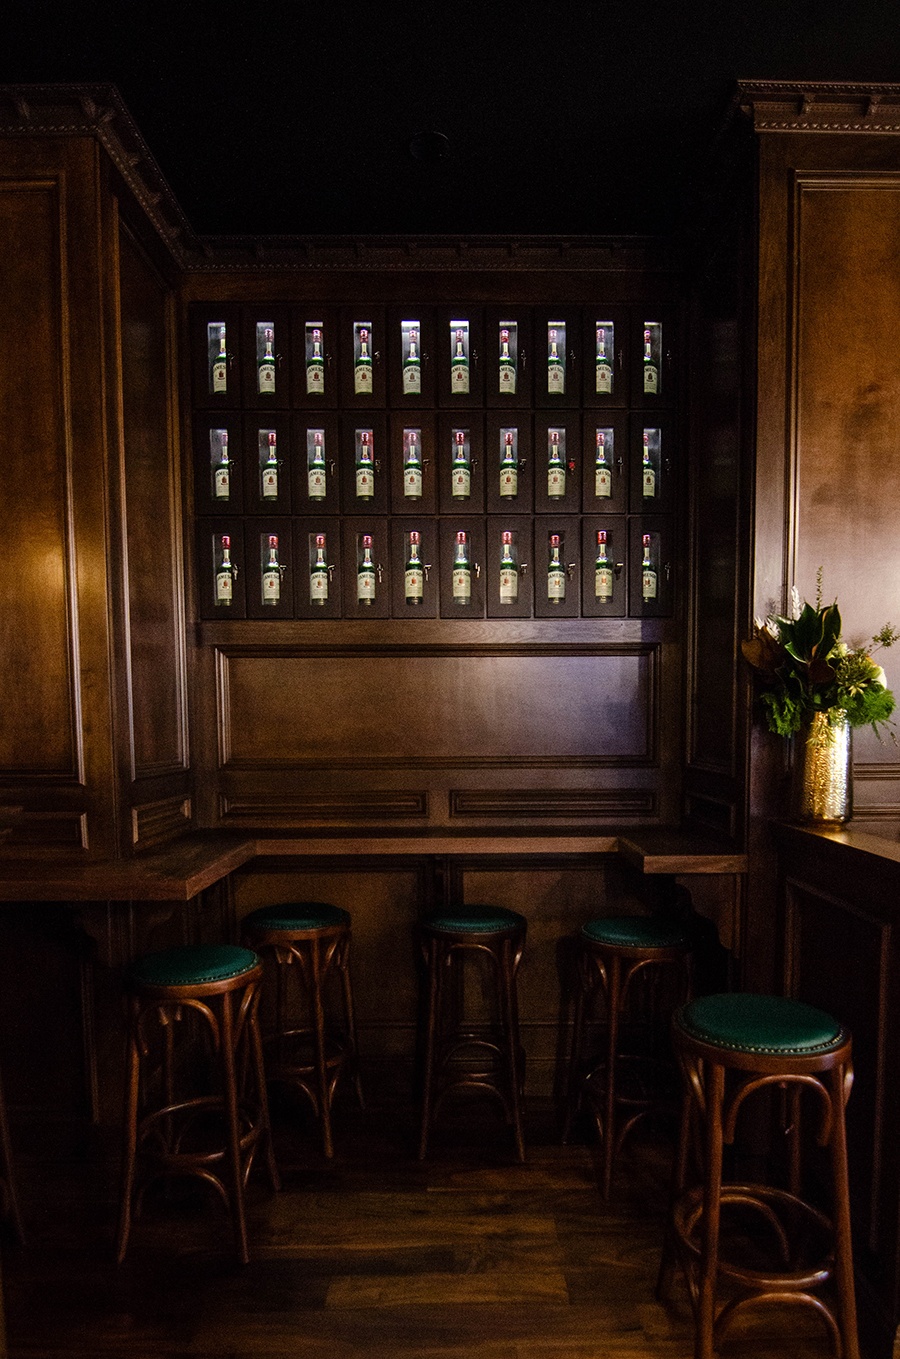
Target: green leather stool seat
point(475, 920)
point(297, 915)
point(635, 931)
point(193, 965)
point(763, 1024)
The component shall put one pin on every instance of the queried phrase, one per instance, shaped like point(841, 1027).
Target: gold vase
point(821, 783)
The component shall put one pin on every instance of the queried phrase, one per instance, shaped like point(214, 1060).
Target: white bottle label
point(509, 481)
point(365, 483)
point(556, 584)
point(649, 483)
point(365, 585)
point(222, 482)
point(462, 483)
point(556, 379)
point(603, 582)
point(602, 482)
point(507, 385)
point(271, 586)
point(604, 378)
point(509, 585)
point(556, 482)
point(316, 480)
point(224, 587)
point(267, 378)
point(648, 583)
point(220, 375)
point(414, 582)
point(412, 379)
point(459, 376)
point(362, 379)
point(651, 378)
point(315, 379)
point(462, 584)
point(270, 483)
point(412, 483)
point(318, 587)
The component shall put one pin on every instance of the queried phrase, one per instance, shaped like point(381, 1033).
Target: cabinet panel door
point(267, 463)
point(654, 357)
point(414, 568)
point(460, 460)
point(362, 357)
point(508, 360)
point(510, 567)
point(463, 573)
point(314, 347)
point(268, 574)
point(651, 571)
point(459, 346)
point(317, 567)
point(366, 570)
point(364, 463)
point(266, 358)
point(315, 456)
point(508, 463)
point(653, 463)
point(606, 345)
point(412, 361)
point(557, 462)
point(557, 566)
point(604, 566)
point(218, 464)
point(215, 341)
point(413, 468)
point(220, 561)
point(556, 365)
point(607, 460)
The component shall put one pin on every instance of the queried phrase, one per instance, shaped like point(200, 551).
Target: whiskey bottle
point(461, 471)
point(317, 480)
point(556, 367)
point(365, 573)
point(509, 466)
point(365, 467)
point(604, 374)
point(602, 468)
point(414, 579)
point(268, 469)
point(509, 571)
point(221, 477)
point(651, 368)
point(462, 571)
point(603, 574)
point(459, 359)
point(362, 371)
point(412, 465)
point(648, 472)
point(318, 574)
point(271, 574)
point(556, 467)
point(315, 361)
point(219, 371)
point(266, 365)
point(556, 573)
point(225, 574)
point(507, 374)
point(648, 572)
point(412, 365)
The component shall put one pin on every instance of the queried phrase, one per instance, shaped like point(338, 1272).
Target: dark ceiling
point(303, 116)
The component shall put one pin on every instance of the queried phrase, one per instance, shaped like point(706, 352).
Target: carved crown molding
point(819, 106)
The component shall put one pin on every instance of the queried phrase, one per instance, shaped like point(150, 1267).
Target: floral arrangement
point(805, 668)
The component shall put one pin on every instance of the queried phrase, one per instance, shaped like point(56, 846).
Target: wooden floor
point(373, 1256)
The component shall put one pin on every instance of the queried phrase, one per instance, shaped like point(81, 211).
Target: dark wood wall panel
point(480, 708)
point(152, 521)
point(38, 734)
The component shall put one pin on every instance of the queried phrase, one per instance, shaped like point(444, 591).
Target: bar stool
point(213, 1135)
point(453, 1045)
point(730, 1047)
point(310, 941)
point(615, 956)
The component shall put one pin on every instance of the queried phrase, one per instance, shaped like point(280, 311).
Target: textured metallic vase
point(821, 786)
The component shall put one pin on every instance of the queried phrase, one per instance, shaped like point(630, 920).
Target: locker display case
point(315, 461)
point(266, 358)
point(220, 559)
point(411, 355)
point(218, 464)
point(366, 573)
point(414, 568)
point(461, 567)
point(557, 563)
point(314, 335)
point(652, 566)
point(267, 465)
point(606, 460)
point(362, 358)
point(604, 577)
point(557, 462)
point(510, 567)
point(412, 464)
point(268, 574)
point(317, 562)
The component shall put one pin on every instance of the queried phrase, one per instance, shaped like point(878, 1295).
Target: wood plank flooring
point(373, 1256)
